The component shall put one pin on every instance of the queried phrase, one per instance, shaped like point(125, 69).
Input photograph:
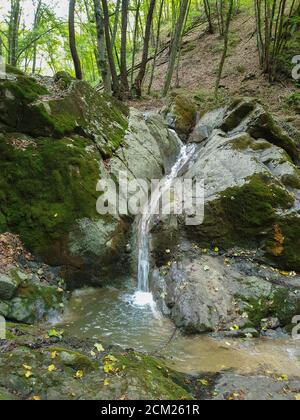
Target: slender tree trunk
point(37, 18)
point(72, 40)
point(124, 24)
point(135, 35)
point(109, 48)
point(207, 9)
point(175, 44)
point(13, 33)
point(225, 49)
point(101, 47)
point(156, 45)
point(180, 46)
point(140, 77)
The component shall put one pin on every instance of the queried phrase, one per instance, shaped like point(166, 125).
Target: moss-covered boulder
point(181, 114)
point(54, 109)
point(32, 299)
point(34, 366)
point(58, 138)
point(251, 186)
point(250, 116)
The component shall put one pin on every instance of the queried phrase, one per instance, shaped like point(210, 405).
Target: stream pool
point(113, 316)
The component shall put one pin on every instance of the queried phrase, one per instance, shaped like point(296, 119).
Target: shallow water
point(115, 316)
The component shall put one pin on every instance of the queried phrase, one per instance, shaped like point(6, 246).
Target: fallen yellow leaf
point(28, 374)
point(26, 367)
point(297, 397)
point(99, 347)
point(203, 382)
point(54, 355)
point(79, 374)
point(106, 382)
point(36, 398)
point(51, 368)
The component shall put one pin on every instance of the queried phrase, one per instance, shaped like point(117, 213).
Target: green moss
point(184, 111)
point(251, 208)
point(244, 142)
point(292, 181)
point(289, 258)
point(154, 375)
point(278, 305)
point(45, 189)
point(238, 110)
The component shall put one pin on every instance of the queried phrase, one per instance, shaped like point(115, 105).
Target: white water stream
point(143, 295)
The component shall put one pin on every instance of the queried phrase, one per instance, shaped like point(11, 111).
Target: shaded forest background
point(143, 48)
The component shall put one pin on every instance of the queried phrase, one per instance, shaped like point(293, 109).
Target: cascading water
point(143, 296)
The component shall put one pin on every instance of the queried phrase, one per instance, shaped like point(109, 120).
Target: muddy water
point(110, 315)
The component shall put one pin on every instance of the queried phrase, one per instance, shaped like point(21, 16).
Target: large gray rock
point(203, 293)
point(8, 286)
point(251, 186)
point(32, 300)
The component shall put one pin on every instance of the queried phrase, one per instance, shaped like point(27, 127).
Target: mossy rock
point(27, 106)
point(45, 188)
point(251, 216)
point(182, 114)
point(68, 372)
point(33, 303)
point(248, 115)
point(278, 305)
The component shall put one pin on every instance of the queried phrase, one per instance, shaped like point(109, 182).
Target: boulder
point(251, 186)
point(181, 115)
point(8, 286)
point(204, 293)
point(58, 138)
point(32, 301)
point(113, 374)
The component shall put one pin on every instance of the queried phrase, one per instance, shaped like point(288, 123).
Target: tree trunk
point(207, 9)
point(156, 45)
point(225, 49)
point(37, 18)
point(176, 41)
point(135, 35)
point(124, 24)
point(101, 47)
point(140, 77)
point(109, 48)
point(72, 40)
point(13, 32)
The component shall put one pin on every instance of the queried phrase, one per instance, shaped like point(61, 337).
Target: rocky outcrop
point(248, 161)
point(58, 138)
point(71, 369)
point(25, 298)
point(251, 186)
point(181, 115)
point(204, 292)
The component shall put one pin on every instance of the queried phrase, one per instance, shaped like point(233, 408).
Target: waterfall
point(150, 209)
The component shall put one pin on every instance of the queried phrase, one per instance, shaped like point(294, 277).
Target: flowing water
point(151, 208)
point(127, 317)
point(111, 316)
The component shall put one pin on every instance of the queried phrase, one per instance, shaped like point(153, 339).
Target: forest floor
point(242, 74)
